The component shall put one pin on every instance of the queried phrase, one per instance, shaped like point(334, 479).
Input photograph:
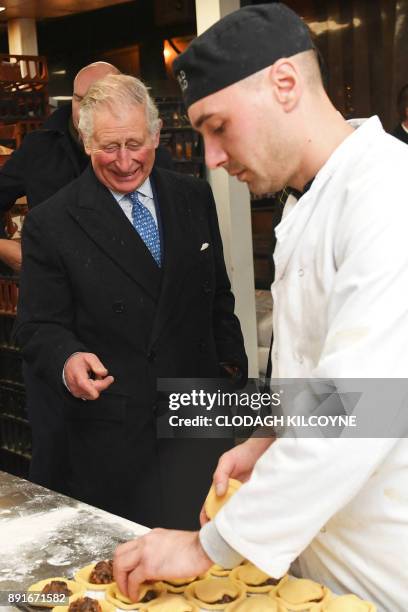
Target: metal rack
point(15, 434)
point(23, 87)
point(184, 144)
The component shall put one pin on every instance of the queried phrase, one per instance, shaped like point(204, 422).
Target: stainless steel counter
point(44, 534)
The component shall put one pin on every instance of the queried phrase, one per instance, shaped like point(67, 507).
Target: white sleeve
point(296, 486)
point(217, 548)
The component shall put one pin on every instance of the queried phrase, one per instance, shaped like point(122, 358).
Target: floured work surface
point(45, 534)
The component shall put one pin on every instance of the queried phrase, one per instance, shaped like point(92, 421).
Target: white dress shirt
point(145, 194)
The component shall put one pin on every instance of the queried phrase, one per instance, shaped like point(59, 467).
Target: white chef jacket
point(340, 311)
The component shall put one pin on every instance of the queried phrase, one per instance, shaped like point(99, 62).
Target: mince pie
point(147, 593)
point(54, 586)
point(302, 595)
point(215, 593)
point(96, 576)
point(214, 503)
point(255, 580)
point(171, 603)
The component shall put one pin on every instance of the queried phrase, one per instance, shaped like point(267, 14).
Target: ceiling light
point(331, 25)
point(2, 8)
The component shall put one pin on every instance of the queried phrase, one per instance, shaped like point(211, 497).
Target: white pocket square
point(204, 246)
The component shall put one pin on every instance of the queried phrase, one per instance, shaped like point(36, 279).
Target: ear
point(286, 83)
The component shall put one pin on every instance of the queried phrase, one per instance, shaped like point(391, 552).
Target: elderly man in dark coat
point(47, 160)
point(124, 282)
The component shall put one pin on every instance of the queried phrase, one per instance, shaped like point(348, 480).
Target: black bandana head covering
point(237, 46)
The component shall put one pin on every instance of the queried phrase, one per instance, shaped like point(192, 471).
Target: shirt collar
point(144, 189)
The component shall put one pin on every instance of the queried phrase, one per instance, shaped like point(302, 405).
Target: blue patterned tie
point(145, 226)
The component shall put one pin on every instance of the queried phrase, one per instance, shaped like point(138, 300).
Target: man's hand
point(10, 253)
point(236, 463)
point(77, 371)
point(159, 555)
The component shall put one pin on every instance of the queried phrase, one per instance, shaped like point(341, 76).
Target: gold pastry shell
point(214, 503)
point(38, 587)
point(349, 603)
point(190, 593)
point(251, 604)
point(217, 570)
point(172, 587)
point(157, 604)
point(105, 606)
point(115, 597)
point(82, 576)
point(304, 606)
point(250, 588)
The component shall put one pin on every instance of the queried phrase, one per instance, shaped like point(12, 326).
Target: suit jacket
point(89, 284)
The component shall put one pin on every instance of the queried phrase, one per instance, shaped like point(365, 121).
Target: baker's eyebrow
point(201, 120)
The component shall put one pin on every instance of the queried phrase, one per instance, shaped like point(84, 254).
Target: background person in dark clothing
point(401, 131)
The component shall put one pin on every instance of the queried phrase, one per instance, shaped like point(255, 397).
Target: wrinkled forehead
point(123, 120)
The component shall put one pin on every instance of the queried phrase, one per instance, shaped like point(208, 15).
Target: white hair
point(116, 91)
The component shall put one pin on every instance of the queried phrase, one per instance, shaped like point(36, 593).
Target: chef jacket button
point(151, 356)
point(300, 359)
point(301, 272)
point(276, 354)
point(206, 287)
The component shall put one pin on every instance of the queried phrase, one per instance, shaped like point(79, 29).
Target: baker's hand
point(10, 253)
point(161, 554)
point(236, 463)
point(77, 371)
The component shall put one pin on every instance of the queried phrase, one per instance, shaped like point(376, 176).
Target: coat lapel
point(177, 232)
point(101, 217)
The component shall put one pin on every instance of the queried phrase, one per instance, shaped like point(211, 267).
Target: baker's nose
point(215, 156)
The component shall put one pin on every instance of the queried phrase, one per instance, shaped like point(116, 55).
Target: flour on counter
point(37, 527)
point(44, 534)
